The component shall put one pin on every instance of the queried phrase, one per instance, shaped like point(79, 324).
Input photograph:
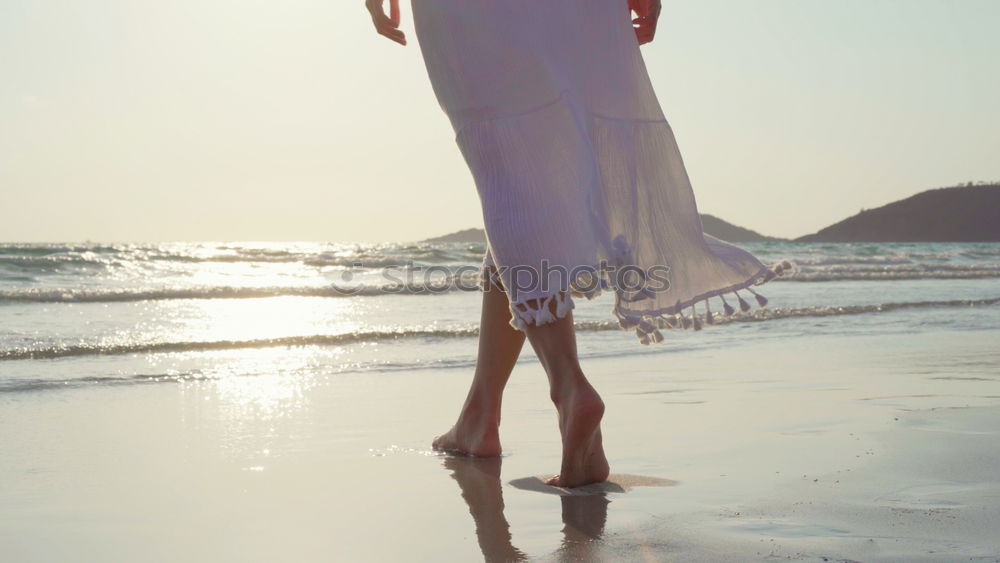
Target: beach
point(157, 424)
point(243, 250)
point(838, 448)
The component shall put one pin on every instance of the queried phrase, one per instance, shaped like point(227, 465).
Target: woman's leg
point(579, 406)
point(477, 430)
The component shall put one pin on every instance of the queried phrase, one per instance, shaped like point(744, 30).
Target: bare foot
point(583, 459)
point(476, 434)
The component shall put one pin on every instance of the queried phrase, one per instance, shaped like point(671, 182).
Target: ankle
point(483, 397)
point(578, 395)
point(480, 412)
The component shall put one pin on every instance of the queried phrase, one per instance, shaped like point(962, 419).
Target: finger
point(644, 24)
point(393, 34)
point(383, 20)
point(378, 13)
point(645, 33)
point(384, 25)
point(387, 28)
point(394, 11)
point(646, 7)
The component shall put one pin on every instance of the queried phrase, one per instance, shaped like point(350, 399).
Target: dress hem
point(536, 310)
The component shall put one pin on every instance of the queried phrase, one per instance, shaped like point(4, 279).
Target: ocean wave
point(469, 283)
point(937, 272)
point(98, 349)
point(21, 385)
point(26, 385)
point(223, 292)
point(38, 272)
point(50, 258)
point(757, 315)
point(853, 260)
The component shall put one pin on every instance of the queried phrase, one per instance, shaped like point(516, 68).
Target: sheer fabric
point(582, 185)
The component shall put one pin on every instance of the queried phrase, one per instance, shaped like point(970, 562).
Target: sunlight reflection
point(278, 316)
point(255, 403)
point(264, 384)
point(230, 320)
point(261, 397)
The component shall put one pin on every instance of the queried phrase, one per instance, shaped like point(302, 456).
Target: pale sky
point(134, 120)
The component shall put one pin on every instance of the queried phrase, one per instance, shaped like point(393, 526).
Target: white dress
point(577, 170)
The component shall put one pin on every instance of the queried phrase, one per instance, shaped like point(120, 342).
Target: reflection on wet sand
point(479, 479)
point(583, 516)
point(583, 524)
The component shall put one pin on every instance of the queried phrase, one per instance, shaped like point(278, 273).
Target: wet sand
point(817, 448)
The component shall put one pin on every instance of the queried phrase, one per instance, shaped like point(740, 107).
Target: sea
point(100, 315)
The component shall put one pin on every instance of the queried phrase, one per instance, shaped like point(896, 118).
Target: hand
point(648, 12)
point(386, 25)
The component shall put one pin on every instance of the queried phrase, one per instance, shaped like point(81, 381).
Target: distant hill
point(468, 235)
point(730, 232)
point(712, 225)
point(959, 214)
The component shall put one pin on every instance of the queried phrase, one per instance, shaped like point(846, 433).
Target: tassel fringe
point(646, 326)
point(744, 306)
point(727, 307)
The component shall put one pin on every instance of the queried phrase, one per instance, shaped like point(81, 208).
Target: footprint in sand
point(616, 483)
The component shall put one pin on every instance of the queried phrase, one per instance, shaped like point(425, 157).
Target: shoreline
point(873, 448)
